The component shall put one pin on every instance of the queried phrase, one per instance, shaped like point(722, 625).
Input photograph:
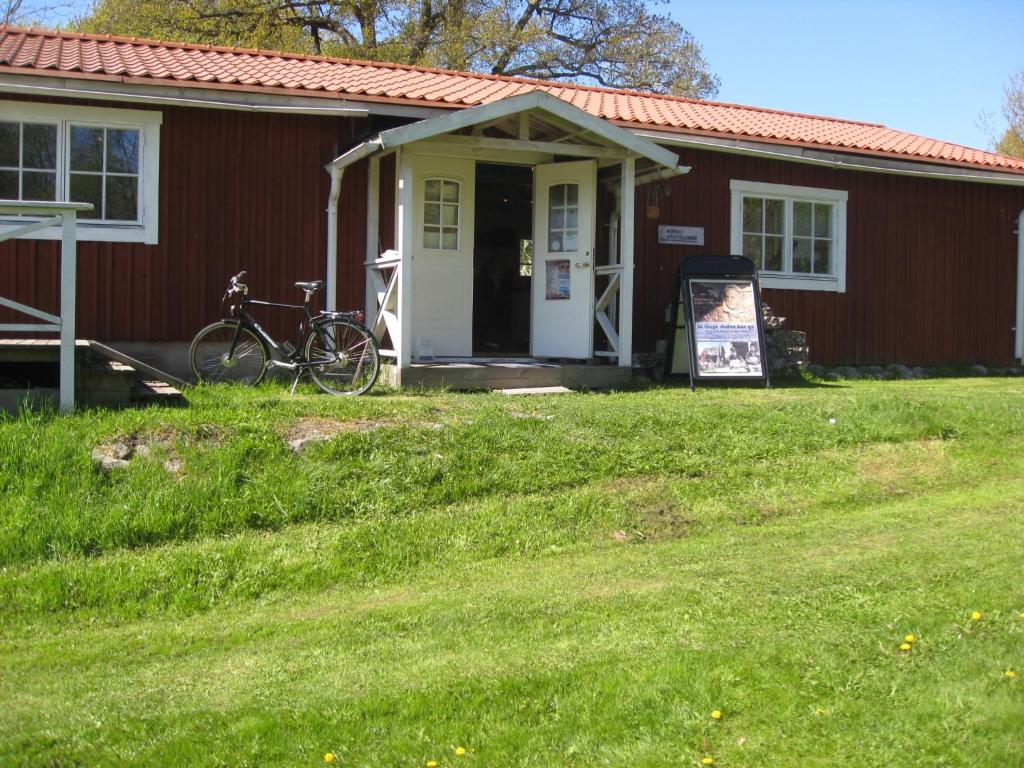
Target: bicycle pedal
point(289, 348)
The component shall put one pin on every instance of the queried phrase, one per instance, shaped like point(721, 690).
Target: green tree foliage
point(1012, 142)
point(618, 43)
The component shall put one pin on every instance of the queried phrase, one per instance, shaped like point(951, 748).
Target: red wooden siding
point(238, 190)
point(930, 265)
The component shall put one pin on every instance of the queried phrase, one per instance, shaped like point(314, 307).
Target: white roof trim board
point(536, 100)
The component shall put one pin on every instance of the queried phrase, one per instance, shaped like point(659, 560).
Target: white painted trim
point(440, 148)
point(406, 231)
point(1020, 287)
point(837, 160)
point(539, 100)
point(332, 237)
point(189, 96)
point(372, 231)
point(837, 197)
point(148, 122)
point(546, 147)
point(628, 219)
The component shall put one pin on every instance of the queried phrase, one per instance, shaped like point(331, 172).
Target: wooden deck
point(477, 374)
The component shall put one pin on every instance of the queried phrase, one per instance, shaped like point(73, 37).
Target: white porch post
point(626, 255)
point(372, 231)
point(1019, 351)
point(332, 237)
point(68, 283)
point(403, 242)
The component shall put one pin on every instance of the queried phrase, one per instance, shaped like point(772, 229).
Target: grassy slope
point(397, 592)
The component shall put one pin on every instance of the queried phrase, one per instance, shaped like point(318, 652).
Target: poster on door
point(725, 329)
point(556, 279)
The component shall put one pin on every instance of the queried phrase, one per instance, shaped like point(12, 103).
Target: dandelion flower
point(708, 760)
point(329, 757)
point(905, 646)
point(1010, 674)
point(716, 715)
point(976, 616)
point(431, 763)
point(909, 639)
point(460, 751)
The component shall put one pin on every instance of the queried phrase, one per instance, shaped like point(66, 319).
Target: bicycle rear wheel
point(343, 357)
point(213, 359)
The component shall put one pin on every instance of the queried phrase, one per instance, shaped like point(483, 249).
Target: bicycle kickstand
point(295, 383)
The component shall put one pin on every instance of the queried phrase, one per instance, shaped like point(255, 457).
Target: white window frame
point(441, 225)
point(836, 282)
point(147, 122)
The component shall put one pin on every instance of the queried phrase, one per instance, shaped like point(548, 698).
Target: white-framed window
point(796, 236)
point(441, 214)
point(66, 152)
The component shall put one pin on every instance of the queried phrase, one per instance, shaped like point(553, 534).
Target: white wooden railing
point(63, 215)
point(605, 308)
point(384, 272)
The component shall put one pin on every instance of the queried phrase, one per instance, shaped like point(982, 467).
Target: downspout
point(1019, 352)
point(332, 237)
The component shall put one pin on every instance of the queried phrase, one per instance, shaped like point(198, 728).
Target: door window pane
point(563, 217)
point(441, 214)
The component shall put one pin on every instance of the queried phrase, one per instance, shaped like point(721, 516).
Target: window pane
point(122, 150)
point(10, 144)
point(432, 237)
point(753, 208)
point(572, 194)
point(87, 189)
point(39, 146)
point(802, 219)
point(774, 216)
point(823, 257)
point(557, 196)
point(433, 190)
point(86, 148)
point(39, 186)
point(801, 254)
point(451, 192)
point(450, 239)
point(122, 198)
point(822, 220)
point(431, 213)
point(8, 185)
point(752, 249)
point(451, 215)
point(773, 253)
point(557, 219)
point(555, 242)
point(570, 243)
point(571, 218)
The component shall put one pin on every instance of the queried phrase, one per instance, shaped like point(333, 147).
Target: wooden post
point(372, 232)
point(68, 282)
point(404, 237)
point(627, 221)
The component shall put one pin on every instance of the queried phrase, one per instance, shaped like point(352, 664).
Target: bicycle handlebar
point(236, 285)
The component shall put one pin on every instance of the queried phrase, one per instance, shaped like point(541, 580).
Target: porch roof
point(535, 121)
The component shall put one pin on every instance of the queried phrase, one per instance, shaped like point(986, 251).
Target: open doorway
point(502, 260)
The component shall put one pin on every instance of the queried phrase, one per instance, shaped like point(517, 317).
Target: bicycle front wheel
point(216, 356)
point(343, 357)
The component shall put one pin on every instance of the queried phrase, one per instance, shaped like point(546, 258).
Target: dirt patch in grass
point(896, 467)
point(161, 444)
point(306, 431)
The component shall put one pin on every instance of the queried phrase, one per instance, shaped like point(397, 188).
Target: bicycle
point(338, 351)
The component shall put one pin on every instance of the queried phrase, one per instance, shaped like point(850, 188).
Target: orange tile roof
point(145, 61)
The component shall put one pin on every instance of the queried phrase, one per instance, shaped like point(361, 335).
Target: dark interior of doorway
point(502, 259)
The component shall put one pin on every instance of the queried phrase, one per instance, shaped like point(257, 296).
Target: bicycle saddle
point(315, 285)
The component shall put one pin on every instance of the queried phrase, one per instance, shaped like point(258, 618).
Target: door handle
point(582, 264)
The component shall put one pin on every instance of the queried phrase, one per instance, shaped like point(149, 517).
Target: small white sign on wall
point(673, 235)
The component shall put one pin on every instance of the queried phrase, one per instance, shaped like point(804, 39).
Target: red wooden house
point(482, 216)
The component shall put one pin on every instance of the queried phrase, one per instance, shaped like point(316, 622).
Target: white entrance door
point(564, 203)
point(442, 251)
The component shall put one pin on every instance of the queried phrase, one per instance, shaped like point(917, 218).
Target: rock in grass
point(109, 458)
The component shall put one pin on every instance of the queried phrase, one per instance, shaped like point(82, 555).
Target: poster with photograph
point(556, 279)
point(725, 329)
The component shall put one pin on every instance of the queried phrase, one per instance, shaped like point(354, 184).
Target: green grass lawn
point(572, 580)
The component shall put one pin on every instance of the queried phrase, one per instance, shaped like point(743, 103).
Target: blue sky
point(926, 67)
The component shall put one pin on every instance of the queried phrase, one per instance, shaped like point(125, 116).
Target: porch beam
point(548, 147)
point(372, 230)
point(403, 240)
point(628, 222)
